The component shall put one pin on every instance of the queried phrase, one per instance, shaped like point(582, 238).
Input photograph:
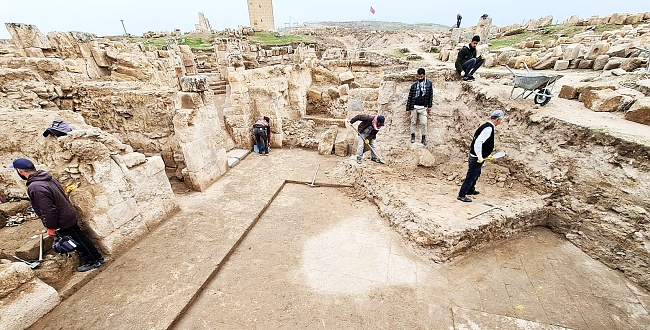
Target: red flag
point(372, 10)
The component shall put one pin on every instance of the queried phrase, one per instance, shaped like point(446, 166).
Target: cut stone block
point(639, 111)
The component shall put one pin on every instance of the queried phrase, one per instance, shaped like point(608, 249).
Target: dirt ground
point(286, 255)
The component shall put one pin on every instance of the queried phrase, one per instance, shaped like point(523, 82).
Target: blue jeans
point(473, 173)
point(261, 139)
point(470, 66)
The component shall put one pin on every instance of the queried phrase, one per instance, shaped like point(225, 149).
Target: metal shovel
point(31, 265)
point(314, 180)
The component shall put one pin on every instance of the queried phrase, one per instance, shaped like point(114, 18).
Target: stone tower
point(261, 14)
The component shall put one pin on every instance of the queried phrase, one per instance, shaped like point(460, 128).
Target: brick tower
point(261, 14)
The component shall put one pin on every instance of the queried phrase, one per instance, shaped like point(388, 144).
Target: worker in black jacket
point(467, 60)
point(52, 206)
point(418, 104)
point(480, 149)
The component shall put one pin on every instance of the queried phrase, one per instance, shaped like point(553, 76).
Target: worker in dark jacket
point(368, 129)
point(262, 132)
point(480, 149)
point(418, 104)
point(52, 206)
point(467, 61)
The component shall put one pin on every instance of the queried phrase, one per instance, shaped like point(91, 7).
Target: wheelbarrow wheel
point(543, 97)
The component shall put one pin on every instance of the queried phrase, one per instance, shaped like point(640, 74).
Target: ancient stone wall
point(122, 194)
point(125, 89)
point(278, 92)
point(260, 13)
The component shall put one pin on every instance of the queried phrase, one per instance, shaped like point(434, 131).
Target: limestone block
point(198, 83)
point(333, 92)
point(30, 250)
point(561, 65)
point(569, 92)
point(545, 63)
point(573, 20)
point(27, 36)
point(586, 64)
point(557, 51)
point(133, 159)
point(618, 18)
point(613, 63)
point(634, 19)
point(455, 36)
point(571, 52)
point(343, 145)
point(346, 77)
point(34, 52)
point(327, 140)
point(639, 111)
point(100, 57)
point(425, 158)
point(25, 306)
point(344, 89)
point(599, 48)
point(630, 64)
point(605, 100)
point(46, 64)
point(574, 64)
point(600, 62)
point(187, 56)
point(314, 95)
point(619, 72)
point(620, 50)
point(12, 276)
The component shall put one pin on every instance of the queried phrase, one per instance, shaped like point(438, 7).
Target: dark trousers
point(261, 139)
point(470, 66)
point(86, 249)
point(473, 173)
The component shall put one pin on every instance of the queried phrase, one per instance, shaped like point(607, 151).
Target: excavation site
point(202, 228)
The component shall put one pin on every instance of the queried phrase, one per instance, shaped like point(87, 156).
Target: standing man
point(458, 19)
point(52, 206)
point(480, 149)
point(262, 132)
point(418, 104)
point(467, 61)
point(368, 129)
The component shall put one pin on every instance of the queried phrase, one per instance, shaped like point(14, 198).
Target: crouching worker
point(262, 132)
point(367, 133)
point(52, 206)
point(467, 60)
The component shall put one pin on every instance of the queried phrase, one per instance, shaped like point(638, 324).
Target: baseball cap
point(22, 164)
point(380, 120)
point(497, 114)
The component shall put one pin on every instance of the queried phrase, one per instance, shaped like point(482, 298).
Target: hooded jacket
point(50, 202)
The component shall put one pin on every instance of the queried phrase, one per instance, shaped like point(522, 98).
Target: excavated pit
point(588, 184)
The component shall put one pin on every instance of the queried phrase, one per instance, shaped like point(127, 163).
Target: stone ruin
point(142, 116)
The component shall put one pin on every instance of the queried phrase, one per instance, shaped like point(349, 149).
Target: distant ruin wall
point(261, 14)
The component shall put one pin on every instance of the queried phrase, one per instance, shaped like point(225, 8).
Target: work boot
point(88, 266)
point(424, 140)
point(412, 137)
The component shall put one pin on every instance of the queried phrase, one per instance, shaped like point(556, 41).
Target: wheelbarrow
point(540, 84)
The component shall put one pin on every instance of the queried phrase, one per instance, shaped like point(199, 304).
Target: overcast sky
point(102, 17)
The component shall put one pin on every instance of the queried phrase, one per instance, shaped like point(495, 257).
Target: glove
point(490, 157)
point(479, 160)
point(50, 231)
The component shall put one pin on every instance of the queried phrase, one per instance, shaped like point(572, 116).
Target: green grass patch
point(195, 41)
point(273, 39)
